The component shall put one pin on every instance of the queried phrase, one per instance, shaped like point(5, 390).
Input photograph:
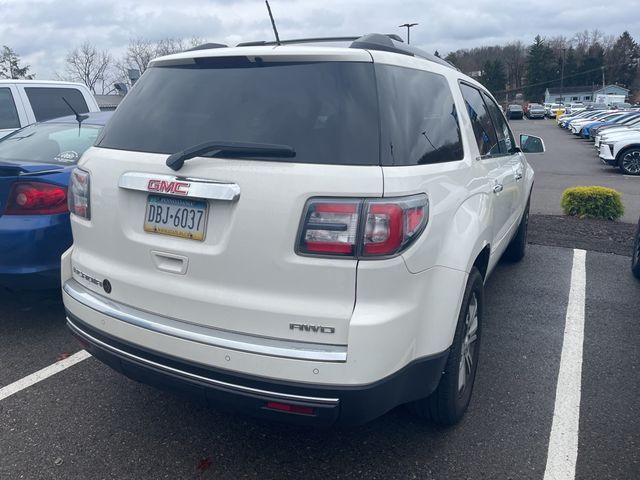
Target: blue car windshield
point(55, 143)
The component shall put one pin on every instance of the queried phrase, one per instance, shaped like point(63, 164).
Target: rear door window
point(483, 128)
point(326, 111)
point(48, 103)
point(503, 132)
point(8, 113)
point(419, 122)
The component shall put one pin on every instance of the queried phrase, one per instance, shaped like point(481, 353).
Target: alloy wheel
point(631, 162)
point(467, 353)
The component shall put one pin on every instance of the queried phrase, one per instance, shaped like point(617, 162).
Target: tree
point(437, 54)
point(622, 60)
point(541, 69)
point(514, 55)
point(592, 65)
point(10, 65)
point(493, 76)
point(90, 66)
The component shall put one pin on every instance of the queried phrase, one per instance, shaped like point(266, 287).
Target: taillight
point(79, 193)
point(362, 227)
point(36, 198)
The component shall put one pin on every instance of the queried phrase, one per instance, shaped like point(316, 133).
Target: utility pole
point(562, 77)
point(408, 25)
point(603, 76)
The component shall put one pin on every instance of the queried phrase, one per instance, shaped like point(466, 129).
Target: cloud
point(43, 31)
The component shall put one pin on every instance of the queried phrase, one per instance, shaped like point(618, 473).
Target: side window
point(419, 122)
point(505, 138)
point(48, 103)
point(8, 113)
point(480, 119)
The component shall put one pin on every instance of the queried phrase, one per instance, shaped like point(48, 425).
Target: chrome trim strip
point(217, 383)
point(198, 187)
point(206, 335)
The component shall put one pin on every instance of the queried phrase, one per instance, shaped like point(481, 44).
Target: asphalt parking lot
point(570, 161)
point(89, 422)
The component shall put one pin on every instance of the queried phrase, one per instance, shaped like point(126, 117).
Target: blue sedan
point(586, 130)
point(35, 165)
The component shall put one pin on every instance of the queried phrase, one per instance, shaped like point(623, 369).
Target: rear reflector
point(36, 198)
point(362, 227)
point(289, 408)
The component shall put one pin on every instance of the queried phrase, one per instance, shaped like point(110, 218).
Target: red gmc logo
point(164, 186)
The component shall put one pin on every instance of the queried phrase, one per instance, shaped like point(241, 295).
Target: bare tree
point(90, 66)
point(515, 57)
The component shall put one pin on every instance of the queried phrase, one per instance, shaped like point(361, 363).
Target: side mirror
point(531, 144)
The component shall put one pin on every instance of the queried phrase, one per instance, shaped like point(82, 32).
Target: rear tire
point(448, 403)
point(635, 259)
point(517, 248)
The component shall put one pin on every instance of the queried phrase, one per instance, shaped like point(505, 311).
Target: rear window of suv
point(418, 117)
point(326, 111)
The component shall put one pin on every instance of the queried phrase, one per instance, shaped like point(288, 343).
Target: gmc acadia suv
point(297, 231)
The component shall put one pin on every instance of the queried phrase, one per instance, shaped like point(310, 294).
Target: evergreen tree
point(542, 69)
point(622, 61)
point(571, 68)
point(10, 65)
point(437, 54)
point(592, 65)
point(493, 76)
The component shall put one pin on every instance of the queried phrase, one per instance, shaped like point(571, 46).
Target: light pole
point(562, 78)
point(408, 25)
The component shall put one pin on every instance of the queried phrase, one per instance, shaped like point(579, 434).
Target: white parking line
point(563, 441)
point(40, 375)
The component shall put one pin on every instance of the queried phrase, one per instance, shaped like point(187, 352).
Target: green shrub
point(592, 202)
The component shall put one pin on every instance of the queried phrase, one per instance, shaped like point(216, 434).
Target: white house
point(582, 94)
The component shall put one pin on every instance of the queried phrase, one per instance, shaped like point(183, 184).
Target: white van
point(23, 102)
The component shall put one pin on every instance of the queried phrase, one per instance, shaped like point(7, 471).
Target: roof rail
point(386, 43)
point(389, 42)
point(206, 46)
point(261, 43)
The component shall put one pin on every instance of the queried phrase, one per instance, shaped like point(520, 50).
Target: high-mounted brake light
point(36, 198)
point(362, 227)
point(79, 194)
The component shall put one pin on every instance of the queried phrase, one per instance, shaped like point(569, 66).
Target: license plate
point(178, 217)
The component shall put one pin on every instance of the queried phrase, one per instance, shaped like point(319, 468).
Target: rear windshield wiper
point(229, 149)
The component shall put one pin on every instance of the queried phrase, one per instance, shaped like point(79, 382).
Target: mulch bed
point(571, 232)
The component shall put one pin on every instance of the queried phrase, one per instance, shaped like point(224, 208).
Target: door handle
point(497, 188)
point(518, 176)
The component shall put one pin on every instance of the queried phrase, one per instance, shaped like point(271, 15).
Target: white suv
point(297, 231)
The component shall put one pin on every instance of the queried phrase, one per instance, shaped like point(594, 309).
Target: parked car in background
point(23, 102)
point(535, 110)
point(635, 255)
point(35, 164)
point(514, 111)
point(631, 120)
point(192, 268)
point(623, 153)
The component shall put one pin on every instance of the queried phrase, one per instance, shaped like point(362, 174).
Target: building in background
point(584, 93)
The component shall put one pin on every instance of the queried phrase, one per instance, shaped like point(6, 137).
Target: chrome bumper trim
point(181, 373)
point(206, 335)
point(196, 187)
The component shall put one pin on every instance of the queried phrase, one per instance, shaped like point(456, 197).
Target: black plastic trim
point(356, 404)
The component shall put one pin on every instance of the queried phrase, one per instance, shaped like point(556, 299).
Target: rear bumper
point(30, 250)
point(329, 404)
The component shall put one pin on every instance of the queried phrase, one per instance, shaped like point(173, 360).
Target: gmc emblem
point(303, 327)
point(164, 186)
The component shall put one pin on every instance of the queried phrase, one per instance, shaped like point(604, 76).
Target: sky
point(43, 31)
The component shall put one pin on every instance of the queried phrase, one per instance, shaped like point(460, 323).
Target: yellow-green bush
point(592, 202)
